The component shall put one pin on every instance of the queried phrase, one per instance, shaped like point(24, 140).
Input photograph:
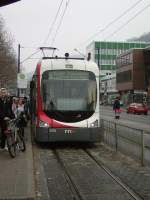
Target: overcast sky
point(29, 22)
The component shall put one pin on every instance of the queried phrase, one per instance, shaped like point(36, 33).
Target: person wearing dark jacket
point(116, 108)
point(5, 111)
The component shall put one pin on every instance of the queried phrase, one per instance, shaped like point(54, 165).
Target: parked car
point(137, 108)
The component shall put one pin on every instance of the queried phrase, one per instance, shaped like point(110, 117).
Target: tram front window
point(68, 96)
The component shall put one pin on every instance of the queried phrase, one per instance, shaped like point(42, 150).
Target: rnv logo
point(68, 131)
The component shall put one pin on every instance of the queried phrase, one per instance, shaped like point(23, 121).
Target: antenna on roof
point(48, 48)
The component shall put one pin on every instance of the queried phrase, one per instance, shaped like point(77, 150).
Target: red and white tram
point(65, 100)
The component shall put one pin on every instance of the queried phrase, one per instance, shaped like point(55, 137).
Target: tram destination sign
point(64, 74)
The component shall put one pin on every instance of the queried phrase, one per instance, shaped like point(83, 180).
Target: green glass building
point(104, 53)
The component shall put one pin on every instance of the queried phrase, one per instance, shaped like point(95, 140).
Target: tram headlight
point(94, 124)
point(43, 124)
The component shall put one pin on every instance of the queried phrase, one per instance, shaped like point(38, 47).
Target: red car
point(137, 108)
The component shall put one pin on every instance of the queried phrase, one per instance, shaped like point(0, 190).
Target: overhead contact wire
point(121, 27)
point(29, 57)
point(51, 27)
point(113, 21)
point(58, 27)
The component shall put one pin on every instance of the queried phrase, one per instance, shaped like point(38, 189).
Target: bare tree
point(8, 61)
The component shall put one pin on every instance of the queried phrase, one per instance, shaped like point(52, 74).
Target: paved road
point(108, 111)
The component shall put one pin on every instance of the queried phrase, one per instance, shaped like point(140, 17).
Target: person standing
point(5, 111)
point(116, 108)
point(19, 107)
point(20, 114)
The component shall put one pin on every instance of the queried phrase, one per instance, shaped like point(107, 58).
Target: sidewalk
point(16, 175)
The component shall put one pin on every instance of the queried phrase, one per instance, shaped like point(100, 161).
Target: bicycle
point(14, 136)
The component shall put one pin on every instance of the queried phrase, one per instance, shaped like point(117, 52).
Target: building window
point(124, 76)
point(123, 60)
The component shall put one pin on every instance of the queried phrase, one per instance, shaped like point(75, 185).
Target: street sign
point(22, 80)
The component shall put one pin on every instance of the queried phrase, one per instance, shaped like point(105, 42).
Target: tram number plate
point(52, 130)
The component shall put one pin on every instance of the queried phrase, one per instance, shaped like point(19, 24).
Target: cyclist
point(5, 111)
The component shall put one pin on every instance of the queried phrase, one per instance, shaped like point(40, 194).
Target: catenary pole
point(18, 65)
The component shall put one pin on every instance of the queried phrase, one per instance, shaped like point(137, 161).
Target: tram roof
point(52, 63)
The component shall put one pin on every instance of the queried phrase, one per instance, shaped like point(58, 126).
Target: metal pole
point(102, 128)
point(142, 148)
point(18, 58)
point(116, 138)
point(98, 58)
point(18, 65)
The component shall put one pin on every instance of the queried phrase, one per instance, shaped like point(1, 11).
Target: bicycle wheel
point(21, 141)
point(11, 144)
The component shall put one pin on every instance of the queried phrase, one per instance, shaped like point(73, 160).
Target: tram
point(65, 100)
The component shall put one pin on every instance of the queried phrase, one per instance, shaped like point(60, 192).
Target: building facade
point(104, 53)
point(108, 90)
point(133, 75)
point(147, 67)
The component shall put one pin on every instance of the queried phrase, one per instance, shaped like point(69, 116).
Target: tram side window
point(47, 94)
point(43, 90)
point(92, 96)
point(34, 96)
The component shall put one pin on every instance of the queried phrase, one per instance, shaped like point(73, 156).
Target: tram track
point(83, 172)
point(123, 185)
point(72, 181)
point(76, 195)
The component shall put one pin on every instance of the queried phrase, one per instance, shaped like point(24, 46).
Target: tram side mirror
point(89, 56)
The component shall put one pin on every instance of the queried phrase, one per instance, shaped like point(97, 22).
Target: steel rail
point(75, 192)
point(118, 180)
